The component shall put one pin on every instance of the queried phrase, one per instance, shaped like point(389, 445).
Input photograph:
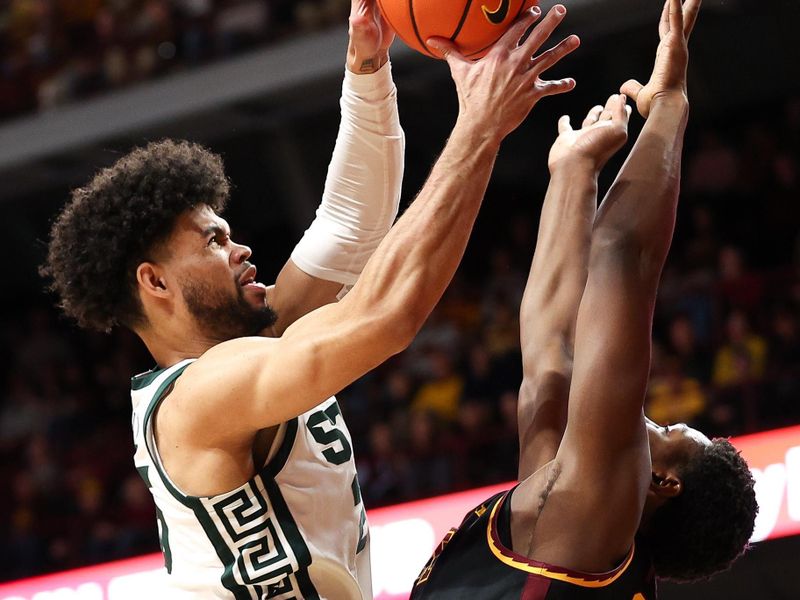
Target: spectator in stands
point(714, 167)
point(673, 396)
point(134, 518)
point(742, 358)
point(738, 287)
point(782, 400)
point(694, 359)
point(476, 435)
point(441, 393)
point(703, 245)
point(480, 381)
point(382, 469)
point(430, 459)
point(739, 367)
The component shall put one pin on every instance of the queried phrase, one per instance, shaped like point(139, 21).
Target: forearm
point(641, 205)
point(362, 189)
point(559, 267)
point(549, 311)
point(417, 259)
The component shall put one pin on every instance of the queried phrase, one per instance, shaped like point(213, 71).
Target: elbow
point(624, 251)
point(619, 239)
point(553, 360)
point(407, 325)
point(396, 329)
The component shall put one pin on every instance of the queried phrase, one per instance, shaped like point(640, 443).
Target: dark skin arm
point(601, 473)
point(558, 276)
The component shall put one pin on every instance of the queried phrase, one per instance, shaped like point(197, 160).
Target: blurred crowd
point(55, 51)
point(442, 415)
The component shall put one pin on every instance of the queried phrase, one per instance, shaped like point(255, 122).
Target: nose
point(240, 253)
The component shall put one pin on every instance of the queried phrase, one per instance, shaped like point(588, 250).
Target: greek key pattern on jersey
point(255, 549)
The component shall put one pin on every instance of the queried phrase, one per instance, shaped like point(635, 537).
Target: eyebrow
point(215, 229)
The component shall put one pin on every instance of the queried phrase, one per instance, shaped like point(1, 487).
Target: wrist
point(366, 65)
point(674, 99)
point(474, 134)
point(577, 178)
point(483, 130)
point(575, 166)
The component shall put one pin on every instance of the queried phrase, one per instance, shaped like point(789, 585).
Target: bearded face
point(225, 315)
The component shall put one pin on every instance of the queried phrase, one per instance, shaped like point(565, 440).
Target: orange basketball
point(474, 25)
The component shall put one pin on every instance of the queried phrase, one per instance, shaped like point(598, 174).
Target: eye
point(219, 239)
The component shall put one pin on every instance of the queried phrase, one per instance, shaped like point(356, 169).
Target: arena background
point(84, 80)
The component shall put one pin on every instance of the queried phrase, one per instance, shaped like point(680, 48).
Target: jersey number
point(329, 437)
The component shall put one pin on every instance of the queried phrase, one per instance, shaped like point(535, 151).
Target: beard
point(223, 317)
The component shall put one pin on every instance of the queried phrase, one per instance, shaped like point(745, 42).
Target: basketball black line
point(519, 12)
point(461, 22)
point(416, 29)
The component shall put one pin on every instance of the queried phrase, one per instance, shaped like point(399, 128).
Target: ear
point(666, 485)
point(152, 280)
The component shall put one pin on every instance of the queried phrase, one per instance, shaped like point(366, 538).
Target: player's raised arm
point(604, 458)
point(558, 276)
point(329, 348)
point(362, 190)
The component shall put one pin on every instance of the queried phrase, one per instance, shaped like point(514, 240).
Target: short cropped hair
point(117, 220)
point(703, 530)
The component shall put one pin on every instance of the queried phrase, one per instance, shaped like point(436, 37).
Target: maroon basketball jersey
point(475, 562)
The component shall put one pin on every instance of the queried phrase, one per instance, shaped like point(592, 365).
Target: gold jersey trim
point(522, 563)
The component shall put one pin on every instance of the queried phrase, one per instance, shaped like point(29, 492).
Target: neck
point(651, 505)
point(168, 347)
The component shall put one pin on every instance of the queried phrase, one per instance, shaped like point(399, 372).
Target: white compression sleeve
point(362, 190)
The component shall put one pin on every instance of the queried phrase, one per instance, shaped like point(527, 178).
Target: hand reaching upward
point(603, 133)
point(669, 73)
point(370, 37)
point(499, 90)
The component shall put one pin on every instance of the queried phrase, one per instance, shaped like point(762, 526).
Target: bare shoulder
point(204, 432)
point(201, 404)
point(217, 373)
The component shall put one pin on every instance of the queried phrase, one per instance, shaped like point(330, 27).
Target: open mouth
point(248, 279)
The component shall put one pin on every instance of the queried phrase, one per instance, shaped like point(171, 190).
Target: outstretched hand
point(498, 91)
point(669, 73)
point(603, 133)
point(370, 37)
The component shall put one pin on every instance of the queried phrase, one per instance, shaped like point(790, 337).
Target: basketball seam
point(462, 21)
point(416, 29)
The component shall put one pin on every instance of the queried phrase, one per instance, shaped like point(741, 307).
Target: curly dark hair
point(116, 221)
point(706, 528)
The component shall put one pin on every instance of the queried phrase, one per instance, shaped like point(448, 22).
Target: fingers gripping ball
point(474, 25)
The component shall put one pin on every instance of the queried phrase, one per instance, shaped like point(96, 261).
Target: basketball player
point(608, 500)
point(237, 434)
